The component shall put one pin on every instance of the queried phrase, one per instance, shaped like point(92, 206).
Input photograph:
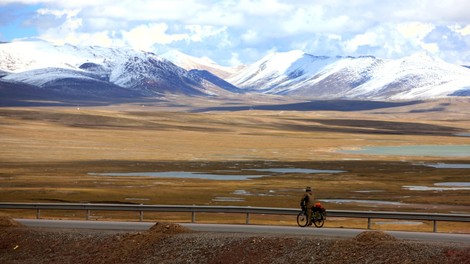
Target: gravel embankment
point(171, 243)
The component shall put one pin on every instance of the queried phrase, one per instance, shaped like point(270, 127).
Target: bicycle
point(318, 216)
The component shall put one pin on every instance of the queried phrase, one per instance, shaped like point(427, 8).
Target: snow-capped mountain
point(296, 73)
point(277, 73)
point(41, 64)
point(29, 55)
point(105, 73)
point(192, 63)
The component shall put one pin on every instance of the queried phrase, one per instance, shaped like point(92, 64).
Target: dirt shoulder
point(172, 243)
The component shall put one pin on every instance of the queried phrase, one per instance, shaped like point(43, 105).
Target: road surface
point(255, 229)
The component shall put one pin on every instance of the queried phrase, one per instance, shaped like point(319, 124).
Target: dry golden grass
point(46, 154)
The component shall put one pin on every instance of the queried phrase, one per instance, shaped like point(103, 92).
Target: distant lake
point(210, 176)
point(346, 201)
point(416, 150)
point(180, 174)
point(441, 186)
point(449, 166)
point(461, 184)
point(296, 170)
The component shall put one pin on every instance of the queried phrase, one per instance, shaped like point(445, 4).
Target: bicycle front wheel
point(302, 219)
point(318, 219)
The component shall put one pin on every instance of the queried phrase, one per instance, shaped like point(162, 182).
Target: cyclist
point(307, 202)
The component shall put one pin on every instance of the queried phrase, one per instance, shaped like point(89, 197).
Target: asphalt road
point(255, 229)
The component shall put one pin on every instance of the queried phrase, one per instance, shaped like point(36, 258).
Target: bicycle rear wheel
point(302, 219)
point(318, 219)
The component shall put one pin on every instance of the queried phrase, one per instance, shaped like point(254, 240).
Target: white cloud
point(263, 7)
point(65, 31)
point(415, 29)
point(414, 33)
point(366, 39)
point(391, 41)
point(216, 15)
point(432, 11)
point(149, 11)
point(235, 59)
point(249, 28)
point(314, 19)
point(464, 31)
point(198, 33)
point(57, 12)
point(432, 48)
point(143, 37)
point(101, 24)
point(102, 39)
point(250, 36)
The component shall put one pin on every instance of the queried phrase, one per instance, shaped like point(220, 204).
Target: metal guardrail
point(193, 209)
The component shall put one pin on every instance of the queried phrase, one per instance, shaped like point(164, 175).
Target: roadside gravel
point(171, 243)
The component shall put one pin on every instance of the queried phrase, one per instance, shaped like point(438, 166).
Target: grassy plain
point(49, 154)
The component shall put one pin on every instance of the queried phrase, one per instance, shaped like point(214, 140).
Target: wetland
point(164, 155)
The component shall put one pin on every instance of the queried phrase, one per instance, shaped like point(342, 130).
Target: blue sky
point(232, 32)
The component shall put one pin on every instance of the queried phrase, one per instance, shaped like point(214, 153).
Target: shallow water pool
point(296, 170)
point(180, 174)
point(415, 150)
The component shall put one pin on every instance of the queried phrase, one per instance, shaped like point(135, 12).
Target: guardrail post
point(141, 216)
point(368, 223)
point(87, 214)
point(434, 226)
point(247, 218)
point(193, 216)
point(38, 213)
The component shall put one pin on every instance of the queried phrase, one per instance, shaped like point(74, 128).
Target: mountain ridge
point(415, 77)
point(69, 69)
point(188, 62)
point(144, 73)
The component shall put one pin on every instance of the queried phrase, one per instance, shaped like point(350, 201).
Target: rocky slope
point(171, 243)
